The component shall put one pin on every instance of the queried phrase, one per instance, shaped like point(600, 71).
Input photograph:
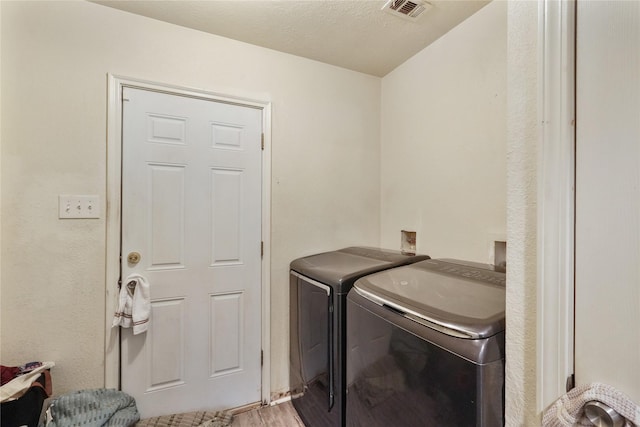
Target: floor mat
point(189, 419)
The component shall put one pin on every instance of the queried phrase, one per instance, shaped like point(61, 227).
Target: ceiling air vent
point(407, 9)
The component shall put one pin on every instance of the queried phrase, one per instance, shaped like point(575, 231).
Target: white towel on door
point(569, 409)
point(134, 304)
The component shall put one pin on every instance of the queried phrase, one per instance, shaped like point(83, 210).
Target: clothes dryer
point(426, 346)
point(318, 290)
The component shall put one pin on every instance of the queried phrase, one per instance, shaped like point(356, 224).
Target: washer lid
point(460, 300)
point(339, 269)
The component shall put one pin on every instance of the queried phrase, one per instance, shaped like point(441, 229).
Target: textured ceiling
point(352, 34)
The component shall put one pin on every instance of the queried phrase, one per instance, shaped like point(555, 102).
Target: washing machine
point(318, 290)
point(426, 346)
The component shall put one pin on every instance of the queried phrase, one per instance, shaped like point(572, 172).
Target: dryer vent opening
point(407, 9)
point(500, 253)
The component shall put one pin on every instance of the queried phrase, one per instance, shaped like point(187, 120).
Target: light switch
point(77, 207)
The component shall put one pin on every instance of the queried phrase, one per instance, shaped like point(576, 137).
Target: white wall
point(55, 60)
point(522, 164)
point(443, 143)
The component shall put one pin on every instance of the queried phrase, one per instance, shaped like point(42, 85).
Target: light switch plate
point(78, 207)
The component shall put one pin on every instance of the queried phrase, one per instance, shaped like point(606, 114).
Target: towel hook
point(131, 287)
point(602, 415)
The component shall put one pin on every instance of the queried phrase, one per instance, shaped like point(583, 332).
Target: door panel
point(166, 216)
point(191, 206)
point(226, 333)
point(165, 338)
point(226, 198)
point(607, 331)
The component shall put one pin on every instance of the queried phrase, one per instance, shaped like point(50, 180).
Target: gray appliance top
point(459, 298)
point(340, 269)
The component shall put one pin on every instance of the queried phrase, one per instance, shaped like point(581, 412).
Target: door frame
point(113, 216)
point(556, 200)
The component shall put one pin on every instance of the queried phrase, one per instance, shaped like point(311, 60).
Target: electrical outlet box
point(78, 207)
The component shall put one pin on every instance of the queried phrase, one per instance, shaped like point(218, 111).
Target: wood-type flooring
point(281, 415)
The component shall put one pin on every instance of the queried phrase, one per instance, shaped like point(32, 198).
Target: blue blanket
point(94, 408)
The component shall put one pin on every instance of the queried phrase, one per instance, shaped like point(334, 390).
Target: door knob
point(133, 257)
point(601, 415)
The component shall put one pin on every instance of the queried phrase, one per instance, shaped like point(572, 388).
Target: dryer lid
point(460, 300)
point(339, 269)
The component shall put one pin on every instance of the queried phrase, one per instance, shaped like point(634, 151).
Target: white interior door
point(607, 328)
point(191, 207)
